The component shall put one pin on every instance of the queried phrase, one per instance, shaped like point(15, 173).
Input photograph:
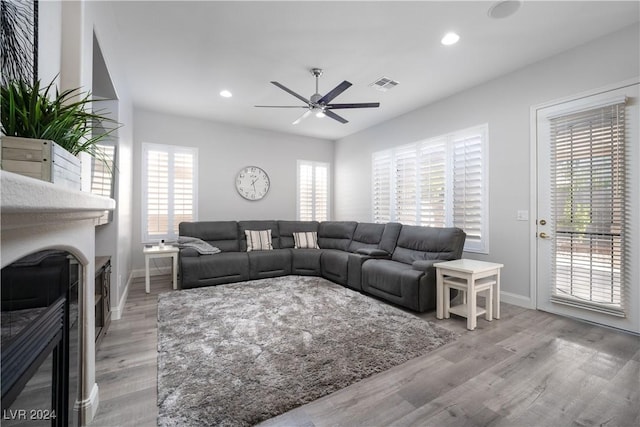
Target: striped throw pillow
point(306, 240)
point(258, 240)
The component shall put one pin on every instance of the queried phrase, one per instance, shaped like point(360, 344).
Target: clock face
point(252, 183)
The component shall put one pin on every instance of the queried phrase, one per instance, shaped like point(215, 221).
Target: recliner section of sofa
point(392, 255)
point(408, 278)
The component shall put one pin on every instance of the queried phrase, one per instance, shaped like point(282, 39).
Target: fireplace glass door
point(40, 335)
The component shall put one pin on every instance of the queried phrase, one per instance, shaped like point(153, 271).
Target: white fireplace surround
point(38, 215)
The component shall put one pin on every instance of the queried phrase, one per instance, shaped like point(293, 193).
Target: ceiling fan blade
point(302, 117)
point(356, 105)
point(334, 116)
point(286, 89)
point(335, 92)
point(281, 106)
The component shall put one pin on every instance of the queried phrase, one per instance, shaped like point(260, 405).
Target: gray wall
point(223, 150)
point(505, 104)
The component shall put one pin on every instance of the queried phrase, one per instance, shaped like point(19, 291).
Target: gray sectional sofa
point(390, 261)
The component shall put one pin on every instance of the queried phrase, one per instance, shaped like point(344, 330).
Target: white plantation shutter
point(468, 189)
point(169, 190)
point(381, 186)
point(101, 176)
point(313, 191)
point(433, 178)
point(406, 185)
point(440, 182)
point(588, 208)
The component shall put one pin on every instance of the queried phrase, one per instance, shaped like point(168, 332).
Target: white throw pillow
point(306, 240)
point(258, 240)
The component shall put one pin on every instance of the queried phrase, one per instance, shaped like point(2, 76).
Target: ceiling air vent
point(383, 84)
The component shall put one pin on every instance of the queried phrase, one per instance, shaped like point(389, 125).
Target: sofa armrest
point(373, 252)
point(424, 265)
point(189, 252)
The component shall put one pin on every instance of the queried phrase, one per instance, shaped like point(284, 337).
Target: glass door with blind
point(587, 201)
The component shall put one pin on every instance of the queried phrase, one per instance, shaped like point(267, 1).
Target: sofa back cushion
point(287, 228)
point(428, 243)
point(390, 236)
point(366, 235)
point(220, 234)
point(258, 226)
point(336, 234)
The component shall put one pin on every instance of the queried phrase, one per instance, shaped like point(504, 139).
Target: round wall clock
point(252, 183)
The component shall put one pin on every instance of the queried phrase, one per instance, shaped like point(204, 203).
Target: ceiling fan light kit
point(318, 104)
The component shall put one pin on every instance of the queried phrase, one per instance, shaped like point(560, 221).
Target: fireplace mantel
point(27, 202)
point(38, 215)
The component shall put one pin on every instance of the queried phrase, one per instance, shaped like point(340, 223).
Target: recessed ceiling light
point(449, 39)
point(504, 8)
point(226, 94)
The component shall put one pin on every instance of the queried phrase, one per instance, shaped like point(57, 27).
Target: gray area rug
point(241, 353)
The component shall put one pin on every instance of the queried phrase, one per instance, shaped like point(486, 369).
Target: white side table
point(160, 252)
point(471, 277)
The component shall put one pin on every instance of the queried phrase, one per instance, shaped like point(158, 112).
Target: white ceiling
point(180, 55)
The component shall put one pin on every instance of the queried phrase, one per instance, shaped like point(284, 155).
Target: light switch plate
point(522, 216)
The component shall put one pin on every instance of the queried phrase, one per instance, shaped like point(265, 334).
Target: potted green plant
point(51, 120)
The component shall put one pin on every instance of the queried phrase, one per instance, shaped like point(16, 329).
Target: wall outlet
point(522, 216)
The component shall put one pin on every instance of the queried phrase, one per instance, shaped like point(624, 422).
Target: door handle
point(543, 235)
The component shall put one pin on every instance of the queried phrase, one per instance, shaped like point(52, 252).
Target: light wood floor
point(528, 369)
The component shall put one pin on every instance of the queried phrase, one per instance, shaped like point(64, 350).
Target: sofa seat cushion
point(333, 265)
point(206, 270)
point(273, 263)
point(306, 262)
point(388, 276)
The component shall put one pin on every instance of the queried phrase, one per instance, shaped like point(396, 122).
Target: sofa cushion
point(259, 225)
point(306, 262)
point(334, 264)
point(258, 240)
point(336, 234)
point(287, 228)
point(220, 234)
point(366, 235)
point(306, 240)
point(428, 243)
point(207, 270)
point(274, 263)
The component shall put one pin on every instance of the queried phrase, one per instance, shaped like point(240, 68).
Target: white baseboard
point(515, 299)
point(116, 313)
point(88, 408)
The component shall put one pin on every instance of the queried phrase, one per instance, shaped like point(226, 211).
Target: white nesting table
point(472, 277)
point(160, 252)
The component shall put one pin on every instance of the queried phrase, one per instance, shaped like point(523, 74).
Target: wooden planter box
point(41, 159)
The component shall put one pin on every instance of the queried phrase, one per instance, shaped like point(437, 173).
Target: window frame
point(171, 150)
point(415, 152)
point(314, 164)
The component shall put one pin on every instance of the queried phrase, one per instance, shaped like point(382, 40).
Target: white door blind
point(440, 182)
point(313, 191)
point(169, 190)
point(588, 208)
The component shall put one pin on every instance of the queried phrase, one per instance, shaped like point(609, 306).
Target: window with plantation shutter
point(169, 194)
point(101, 175)
point(440, 182)
point(381, 186)
point(313, 191)
point(588, 207)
